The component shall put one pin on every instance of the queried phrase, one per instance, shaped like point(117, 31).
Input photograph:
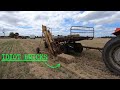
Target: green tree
point(16, 35)
point(11, 35)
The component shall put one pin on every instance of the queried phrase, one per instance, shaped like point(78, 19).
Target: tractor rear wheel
point(111, 55)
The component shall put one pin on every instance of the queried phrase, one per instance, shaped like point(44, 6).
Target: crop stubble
point(88, 64)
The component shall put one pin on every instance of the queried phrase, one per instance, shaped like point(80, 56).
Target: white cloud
point(101, 30)
point(97, 17)
point(55, 20)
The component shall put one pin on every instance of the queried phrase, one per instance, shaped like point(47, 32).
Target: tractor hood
point(117, 31)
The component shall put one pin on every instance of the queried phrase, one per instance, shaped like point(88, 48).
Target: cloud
point(101, 30)
point(27, 22)
point(11, 18)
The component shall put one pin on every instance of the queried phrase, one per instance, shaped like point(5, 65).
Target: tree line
point(13, 35)
point(16, 35)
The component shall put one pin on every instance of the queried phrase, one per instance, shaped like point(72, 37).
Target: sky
point(30, 22)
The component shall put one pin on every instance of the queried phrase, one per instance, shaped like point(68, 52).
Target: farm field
point(88, 65)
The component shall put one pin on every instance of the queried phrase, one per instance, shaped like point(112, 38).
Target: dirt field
point(88, 65)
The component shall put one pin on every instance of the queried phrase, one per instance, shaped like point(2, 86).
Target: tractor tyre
point(111, 55)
